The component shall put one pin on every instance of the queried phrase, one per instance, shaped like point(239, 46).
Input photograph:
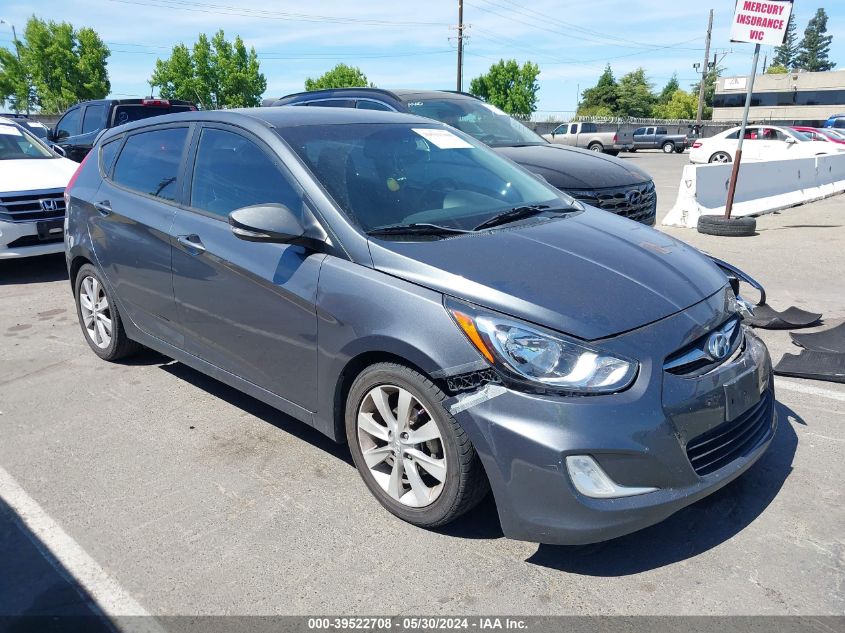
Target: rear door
point(639, 138)
point(245, 307)
point(136, 204)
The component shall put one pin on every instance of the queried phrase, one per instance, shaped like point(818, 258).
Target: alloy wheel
point(96, 313)
point(401, 446)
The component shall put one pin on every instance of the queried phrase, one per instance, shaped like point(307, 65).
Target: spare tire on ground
point(727, 227)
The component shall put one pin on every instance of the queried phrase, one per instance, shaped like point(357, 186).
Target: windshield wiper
point(417, 228)
point(517, 213)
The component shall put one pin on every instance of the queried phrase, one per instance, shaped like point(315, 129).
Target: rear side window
point(662, 130)
point(108, 153)
point(589, 128)
point(69, 125)
point(149, 162)
point(573, 129)
point(94, 119)
point(231, 172)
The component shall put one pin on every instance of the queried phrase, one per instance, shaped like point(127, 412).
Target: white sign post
point(755, 22)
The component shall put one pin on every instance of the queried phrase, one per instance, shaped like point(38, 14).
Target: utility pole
point(704, 72)
point(460, 45)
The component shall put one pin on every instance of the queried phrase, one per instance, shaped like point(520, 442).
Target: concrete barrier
point(763, 187)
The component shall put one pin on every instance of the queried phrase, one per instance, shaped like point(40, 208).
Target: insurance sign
point(761, 21)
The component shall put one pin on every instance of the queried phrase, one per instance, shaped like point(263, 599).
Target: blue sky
point(411, 43)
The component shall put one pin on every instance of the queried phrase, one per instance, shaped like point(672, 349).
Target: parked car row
point(761, 142)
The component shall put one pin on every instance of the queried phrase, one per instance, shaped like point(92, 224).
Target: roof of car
point(399, 94)
point(279, 116)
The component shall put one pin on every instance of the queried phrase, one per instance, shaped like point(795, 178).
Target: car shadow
point(693, 530)
point(255, 407)
point(33, 270)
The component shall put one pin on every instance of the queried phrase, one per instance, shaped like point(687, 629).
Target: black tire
point(633, 150)
point(595, 147)
point(680, 149)
point(612, 152)
point(668, 147)
point(720, 157)
point(120, 345)
point(466, 483)
point(727, 227)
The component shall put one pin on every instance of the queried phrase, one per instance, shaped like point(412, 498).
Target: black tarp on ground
point(832, 340)
point(810, 364)
point(768, 318)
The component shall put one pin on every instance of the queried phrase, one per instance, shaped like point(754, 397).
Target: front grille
point(26, 206)
point(720, 446)
point(635, 202)
point(33, 240)
point(695, 359)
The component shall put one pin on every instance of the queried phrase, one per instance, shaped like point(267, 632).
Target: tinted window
point(136, 112)
point(573, 129)
point(94, 119)
point(18, 144)
point(589, 128)
point(662, 130)
point(149, 162)
point(332, 103)
point(108, 153)
point(231, 172)
point(69, 125)
point(385, 174)
point(365, 104)
point(639, 130)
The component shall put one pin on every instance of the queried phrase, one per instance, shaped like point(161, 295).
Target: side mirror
point(59, 150)
point(790, 140)
point(266, 223)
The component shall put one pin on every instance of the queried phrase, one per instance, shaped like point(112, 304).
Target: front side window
point(388, 174)
point(231, 172)
point(69, 125)
point(19, 144)
point(149, 162)
point(94, 119)
point(474, 117)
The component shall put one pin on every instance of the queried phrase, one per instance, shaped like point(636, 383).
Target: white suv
point(32, 186)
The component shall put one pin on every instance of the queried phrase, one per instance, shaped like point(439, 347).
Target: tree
point(777, 69)
point(214, 73)
point(814, 51)
point(509, 86)
point(681, 105)
point(53, 67)
point(786, 55)
point(601, 99)
point(672, 86)
point(635, 98)
point(341, 76)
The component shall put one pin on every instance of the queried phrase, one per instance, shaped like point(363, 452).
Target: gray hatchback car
point(460, 323)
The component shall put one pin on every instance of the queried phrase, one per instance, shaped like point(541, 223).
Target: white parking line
point(799, 387)
point(103, 589)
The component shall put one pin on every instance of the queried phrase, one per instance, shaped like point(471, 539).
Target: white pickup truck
point(587, 136)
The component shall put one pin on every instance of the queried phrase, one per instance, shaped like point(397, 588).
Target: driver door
point(245, 307)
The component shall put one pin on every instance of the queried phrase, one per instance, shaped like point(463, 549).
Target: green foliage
point(786, 55)
point(601, 98)
point(672, 86)
point(635, 98)
point(341, 76)
point(509, 86)
point(814, 51)
point(215, 73)
point(681, 105)
point(777, 69)
point(58, 67)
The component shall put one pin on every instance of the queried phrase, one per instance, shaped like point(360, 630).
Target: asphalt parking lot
point(196, 499)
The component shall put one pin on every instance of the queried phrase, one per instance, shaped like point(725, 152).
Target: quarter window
point(69, 125)
point(149, 162)
point(231, 172)
point(107, 155)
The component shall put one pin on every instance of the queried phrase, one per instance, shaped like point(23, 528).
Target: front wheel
point(99, 317)
point(720, 157)
point(414, 457)
point(668, 148)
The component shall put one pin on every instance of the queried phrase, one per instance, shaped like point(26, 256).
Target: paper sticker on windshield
point(443, 139)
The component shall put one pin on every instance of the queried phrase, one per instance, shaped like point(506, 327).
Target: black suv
point(599, 180)
point(76, 130)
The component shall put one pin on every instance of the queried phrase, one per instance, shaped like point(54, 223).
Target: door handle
point(191, 242)
point(103, 207)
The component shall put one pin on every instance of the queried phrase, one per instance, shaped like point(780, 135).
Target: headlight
point(532, 354)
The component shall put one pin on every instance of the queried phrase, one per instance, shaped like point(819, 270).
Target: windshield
point(17, 144)
point(397, 174)
point(485, 122)
point(801, 136)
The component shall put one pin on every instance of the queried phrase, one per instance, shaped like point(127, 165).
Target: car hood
point(591, 275)
point(31, 174)
point(572, 168)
